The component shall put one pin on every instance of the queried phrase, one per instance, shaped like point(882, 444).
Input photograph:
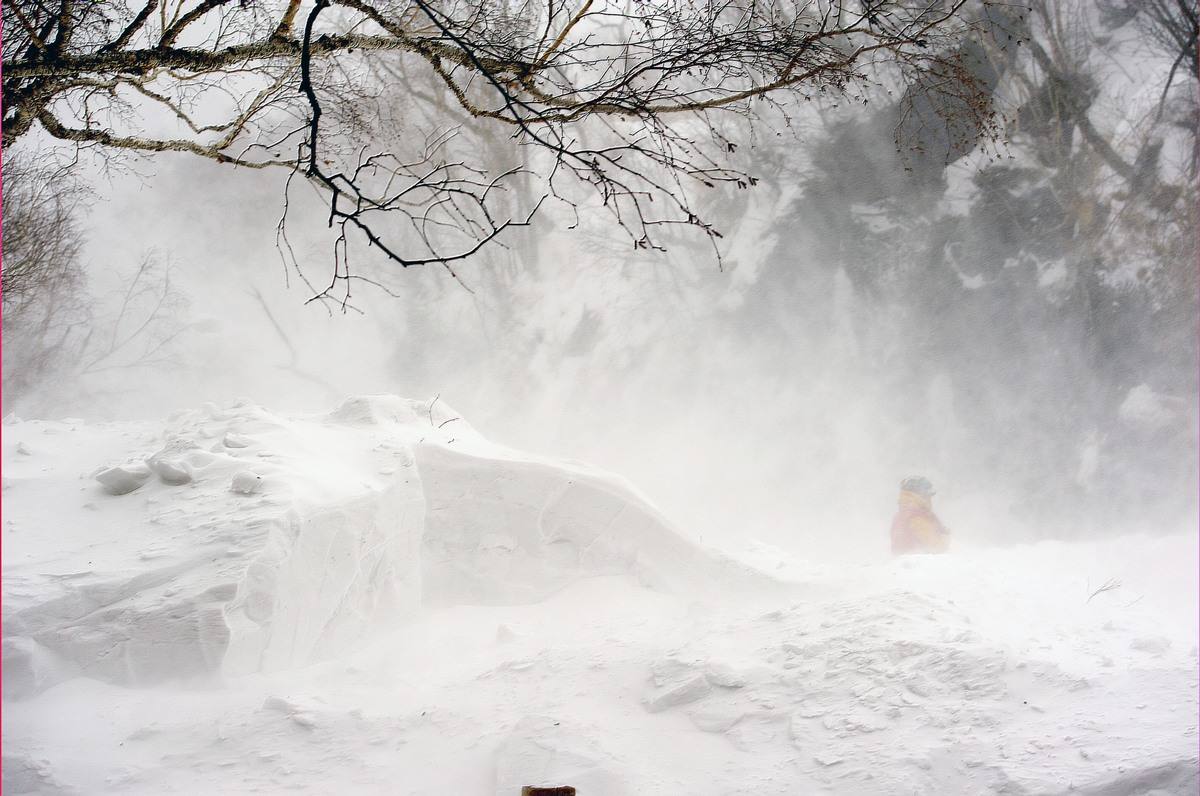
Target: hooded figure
point(915, 528)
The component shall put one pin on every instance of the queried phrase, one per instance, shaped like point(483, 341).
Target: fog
point(874, 312)
point(654, 397)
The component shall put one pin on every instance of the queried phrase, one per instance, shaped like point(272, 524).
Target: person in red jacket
point(915, 528)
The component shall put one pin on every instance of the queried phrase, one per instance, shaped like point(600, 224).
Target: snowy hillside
point(378, 600)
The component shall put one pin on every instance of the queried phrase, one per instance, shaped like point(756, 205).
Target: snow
point(1053, 274)
point(398, 605)
point(1146, 408)
point(123, 479)
point(245, 482)
point(972, 281)
point(304, 537)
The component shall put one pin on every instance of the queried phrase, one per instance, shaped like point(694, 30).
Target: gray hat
point(918, 485)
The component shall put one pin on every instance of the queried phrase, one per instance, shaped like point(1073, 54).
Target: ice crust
point(267, 542)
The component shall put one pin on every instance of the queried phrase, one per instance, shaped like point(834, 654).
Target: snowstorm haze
point(600, 397)
point(874, 312)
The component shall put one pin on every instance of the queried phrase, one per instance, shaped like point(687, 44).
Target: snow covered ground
point(378, 600)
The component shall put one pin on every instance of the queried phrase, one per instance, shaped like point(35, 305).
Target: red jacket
point(916, 529)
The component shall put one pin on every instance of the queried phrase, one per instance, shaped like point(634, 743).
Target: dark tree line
point(1054, 296)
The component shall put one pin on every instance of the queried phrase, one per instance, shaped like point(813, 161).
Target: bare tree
point(147, 317)
point(45, 313)
point(56, 330)
point(41, 236)
point(1171, 26)
point(289, 84)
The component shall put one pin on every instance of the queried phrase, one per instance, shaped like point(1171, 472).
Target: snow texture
point(330, 526)
point(400, 606)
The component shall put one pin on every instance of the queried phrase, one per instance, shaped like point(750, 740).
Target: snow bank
point(503, 528)
point(989, 672)
point(542, 752)
point(237, 540)
point(974, 673)
point(526, 621)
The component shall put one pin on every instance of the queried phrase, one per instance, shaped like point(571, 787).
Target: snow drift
point(378, 600)
point(238, 540)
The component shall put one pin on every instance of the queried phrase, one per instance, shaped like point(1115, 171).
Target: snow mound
point(23, 774)
point(544, 752)
point(237, 540)
point(972, 673)
point(1148, 409)
point(894, 693)
point(503, 530)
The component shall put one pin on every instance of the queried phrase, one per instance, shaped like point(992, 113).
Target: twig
point(1109, 585)
point(431, 403)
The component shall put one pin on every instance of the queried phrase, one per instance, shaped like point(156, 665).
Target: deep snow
point(378, 600)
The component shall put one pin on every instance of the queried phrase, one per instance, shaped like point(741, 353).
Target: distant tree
point(56, 329)
point(1064, 280)
point(43, 281)
point(291, 84)
point(1171, 26)
point(41, 234)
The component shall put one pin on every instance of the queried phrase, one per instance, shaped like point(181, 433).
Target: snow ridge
point(250, 541)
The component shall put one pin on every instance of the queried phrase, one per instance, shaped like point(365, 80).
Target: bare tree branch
point(639, 80)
